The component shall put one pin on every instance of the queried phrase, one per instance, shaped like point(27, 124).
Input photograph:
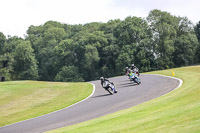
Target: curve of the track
point(99, 104)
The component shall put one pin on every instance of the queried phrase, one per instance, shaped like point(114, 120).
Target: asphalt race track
point(99, 104)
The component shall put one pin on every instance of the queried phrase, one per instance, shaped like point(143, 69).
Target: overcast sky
point(17, 15)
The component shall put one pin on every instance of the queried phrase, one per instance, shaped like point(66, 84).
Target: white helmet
point(101, 78)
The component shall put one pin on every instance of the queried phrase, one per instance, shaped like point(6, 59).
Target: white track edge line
point(56, 110)
point(180, 81)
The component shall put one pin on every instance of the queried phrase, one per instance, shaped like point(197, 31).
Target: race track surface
point(99, 104)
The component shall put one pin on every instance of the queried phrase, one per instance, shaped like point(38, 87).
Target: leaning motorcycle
point(110, 87)
point(136, 71)
point(135, 78)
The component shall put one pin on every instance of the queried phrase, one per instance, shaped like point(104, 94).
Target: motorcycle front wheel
point(110, 90)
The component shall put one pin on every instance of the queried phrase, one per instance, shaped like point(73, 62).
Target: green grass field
point(21, 100)
point(175, 112)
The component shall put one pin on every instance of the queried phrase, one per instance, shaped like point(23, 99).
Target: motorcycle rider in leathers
point(105, 79)
point(135, 69)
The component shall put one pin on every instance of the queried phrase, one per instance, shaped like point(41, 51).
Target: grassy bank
point(20, 100)
point(175, 112)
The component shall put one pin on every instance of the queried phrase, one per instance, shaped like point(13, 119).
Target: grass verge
point(21, 100)
point(175, 112)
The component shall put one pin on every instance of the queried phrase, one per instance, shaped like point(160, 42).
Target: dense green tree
point(89, 46)
point(25, 64)
point(7, 57)
point(134, 38)
point(197, 53)
point(6, 65)
point(3, 61)
point(108, 58)
point(18, 60)
point(90, 64)
point(2, 42)
point(69, 74)
point(164, 27)
point(185, 44)
point(197, 30)
point(185, 47)
point(49, 36)
point(92, 27)
point(11, 44)
point(144, 58)
point(63, 52)
point(110, 26)
point(72, 30)
point(110, 50)
point(131, 30)
point(125, 58)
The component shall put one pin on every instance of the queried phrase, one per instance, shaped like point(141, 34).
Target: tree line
point(62, 52)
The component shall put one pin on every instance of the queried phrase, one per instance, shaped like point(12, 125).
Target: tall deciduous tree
point(134, 38)
point(69, 74)
point(2, 42)
point(197, 53)
point(86, 52)
point(110, 50)
point(164, 27)
point(91, 61)
point(25, 64)
point(7, 57)
point(197, 30)
point(44, 39)
point(185, 43)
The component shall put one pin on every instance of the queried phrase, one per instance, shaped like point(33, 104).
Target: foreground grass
point(175, 112)
point(20, 100)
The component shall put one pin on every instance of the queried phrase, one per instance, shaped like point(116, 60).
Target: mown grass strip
point(175, 112)
point(21, 100)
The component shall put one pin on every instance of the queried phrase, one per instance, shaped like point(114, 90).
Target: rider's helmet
point(126, 68)
point(133, 65)
point(101, 78)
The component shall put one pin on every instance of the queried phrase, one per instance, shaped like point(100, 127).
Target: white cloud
point(141, 8)
point(17, 15)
